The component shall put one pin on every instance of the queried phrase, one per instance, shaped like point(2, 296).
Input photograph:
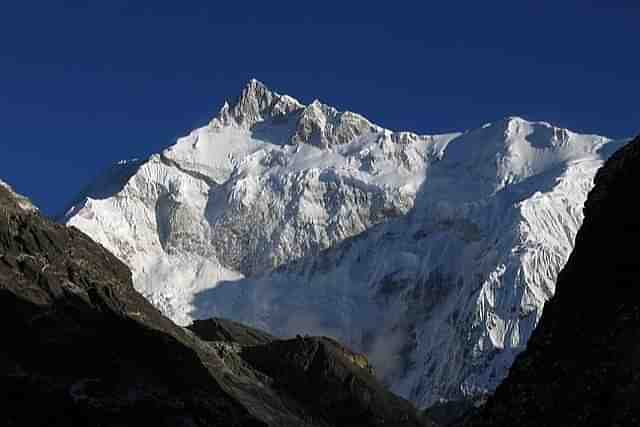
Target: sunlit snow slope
point(434, 254)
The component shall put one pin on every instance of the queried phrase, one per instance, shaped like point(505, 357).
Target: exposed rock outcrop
point(331, 381)
point(216, 329)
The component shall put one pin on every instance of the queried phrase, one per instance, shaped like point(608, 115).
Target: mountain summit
point(256, 104)
point(316, 123)
point(434, 254)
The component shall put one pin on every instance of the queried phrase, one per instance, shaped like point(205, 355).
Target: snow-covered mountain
point(433, 254)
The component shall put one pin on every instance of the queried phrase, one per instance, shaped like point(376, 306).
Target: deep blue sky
point(84, 84)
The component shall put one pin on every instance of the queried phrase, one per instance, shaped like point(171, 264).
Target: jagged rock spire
point(317, 123)
point(255, 104)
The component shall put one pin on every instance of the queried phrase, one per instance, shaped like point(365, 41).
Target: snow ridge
point(433, 254)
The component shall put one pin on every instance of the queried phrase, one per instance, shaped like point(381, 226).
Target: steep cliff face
point(81, 347)
point(581, 364)
point(433, 254)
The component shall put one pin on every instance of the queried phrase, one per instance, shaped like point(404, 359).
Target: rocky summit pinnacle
point(432, 254)
point(317, 124)
point(256, 104)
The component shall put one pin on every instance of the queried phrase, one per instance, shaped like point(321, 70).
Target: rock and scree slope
point(81, 347)
point(328, 379)
point(433, 254)
point(582, 364)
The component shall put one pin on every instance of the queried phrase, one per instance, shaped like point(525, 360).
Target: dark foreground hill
point(329, 380)
point(81, 347)
point(582, 364)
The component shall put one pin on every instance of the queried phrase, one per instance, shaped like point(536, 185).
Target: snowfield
point(434, 254)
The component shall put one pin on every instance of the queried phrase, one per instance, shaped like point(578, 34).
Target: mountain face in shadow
point(581, 364)
point(81, 347)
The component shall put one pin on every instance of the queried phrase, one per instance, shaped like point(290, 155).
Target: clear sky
point(84, 84)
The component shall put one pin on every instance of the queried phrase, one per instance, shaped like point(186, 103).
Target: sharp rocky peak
point(255, 104)
point(317, 123)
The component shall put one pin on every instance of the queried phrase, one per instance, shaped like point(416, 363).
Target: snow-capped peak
point(435, 254)
point(317, 124)
point(255, 104)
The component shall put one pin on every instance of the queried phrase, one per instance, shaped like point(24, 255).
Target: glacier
point(434, 254)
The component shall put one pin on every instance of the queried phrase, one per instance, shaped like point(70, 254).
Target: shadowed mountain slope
point(217, 329)
point(81, 347)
